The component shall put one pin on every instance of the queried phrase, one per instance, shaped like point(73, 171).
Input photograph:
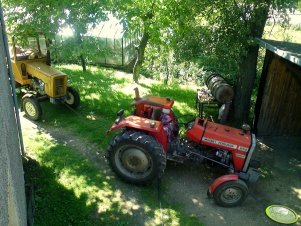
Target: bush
point(161, 64)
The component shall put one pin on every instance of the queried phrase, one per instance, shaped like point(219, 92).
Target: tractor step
point(175, 158)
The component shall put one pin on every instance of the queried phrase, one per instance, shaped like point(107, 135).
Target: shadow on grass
point(54, 204)
point(98, 107)
point(96, 90)
point(70, 191)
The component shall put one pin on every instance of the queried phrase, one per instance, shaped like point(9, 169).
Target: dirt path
point(187, 184)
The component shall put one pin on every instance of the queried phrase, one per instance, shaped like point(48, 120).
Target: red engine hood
point(226, 137)
point(215, 135)
point(219, 136)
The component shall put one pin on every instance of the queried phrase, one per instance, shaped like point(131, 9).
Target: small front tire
point(31, 106)
point(231, 193)
point(72, 98)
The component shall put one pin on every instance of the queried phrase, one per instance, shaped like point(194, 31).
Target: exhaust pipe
point(137, 95)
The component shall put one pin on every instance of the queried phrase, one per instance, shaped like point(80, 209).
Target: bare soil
point(280, 184)
point(187, 184)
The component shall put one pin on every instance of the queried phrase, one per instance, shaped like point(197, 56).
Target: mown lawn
point(69, 190)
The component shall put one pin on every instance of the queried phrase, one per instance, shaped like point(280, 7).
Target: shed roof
point(286, 50)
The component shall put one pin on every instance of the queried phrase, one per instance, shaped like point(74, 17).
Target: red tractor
point(150, 136)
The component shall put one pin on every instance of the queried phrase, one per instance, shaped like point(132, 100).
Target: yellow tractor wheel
point(31, 107)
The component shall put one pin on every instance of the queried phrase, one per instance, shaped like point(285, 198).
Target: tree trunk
point(140, 56)
point(247, 68)
point(244, 85)
point(167, 72)
point(48, 54)
point(83, 62)
point(81, 57)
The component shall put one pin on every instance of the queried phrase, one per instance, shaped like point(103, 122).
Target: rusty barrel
point(219, 88)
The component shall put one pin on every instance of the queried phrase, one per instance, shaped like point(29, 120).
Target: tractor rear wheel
point(231, 193)
point(72, 98)
point(31, 106)
point(136, 157)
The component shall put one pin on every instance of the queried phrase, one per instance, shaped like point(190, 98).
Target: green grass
point(70, 190)
point(102, 95)
point(280, 33)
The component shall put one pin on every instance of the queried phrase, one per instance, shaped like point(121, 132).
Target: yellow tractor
point(39, 80)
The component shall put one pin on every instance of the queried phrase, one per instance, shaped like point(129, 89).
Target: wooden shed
point(278, 105)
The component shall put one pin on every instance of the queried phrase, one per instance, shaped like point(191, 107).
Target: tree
point(226, 31)
point(155, 20)
point(138, 16)
point(247, 66)
point(29, 17)
point(81, 15)
point(221, 33)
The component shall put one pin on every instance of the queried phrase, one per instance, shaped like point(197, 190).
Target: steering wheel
point(187, 124)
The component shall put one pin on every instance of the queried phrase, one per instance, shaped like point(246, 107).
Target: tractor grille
point(59, 86)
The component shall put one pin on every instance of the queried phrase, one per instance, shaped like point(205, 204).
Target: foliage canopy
point(217, 35)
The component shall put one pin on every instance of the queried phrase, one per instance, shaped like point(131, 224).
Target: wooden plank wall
point(280, 111)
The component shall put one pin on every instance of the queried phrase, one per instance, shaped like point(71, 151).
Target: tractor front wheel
point(231, 193)
point(72, 98)
point(31, 106)
point(136, 157)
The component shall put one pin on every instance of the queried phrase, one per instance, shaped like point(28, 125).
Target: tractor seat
point(156, 115)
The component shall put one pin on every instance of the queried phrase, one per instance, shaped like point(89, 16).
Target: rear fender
point(152, 127)
point(220, 180)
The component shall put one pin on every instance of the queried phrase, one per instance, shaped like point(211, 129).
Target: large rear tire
point(231, 193)
point(72, 98)
point(32, 107)
point(136, 157)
